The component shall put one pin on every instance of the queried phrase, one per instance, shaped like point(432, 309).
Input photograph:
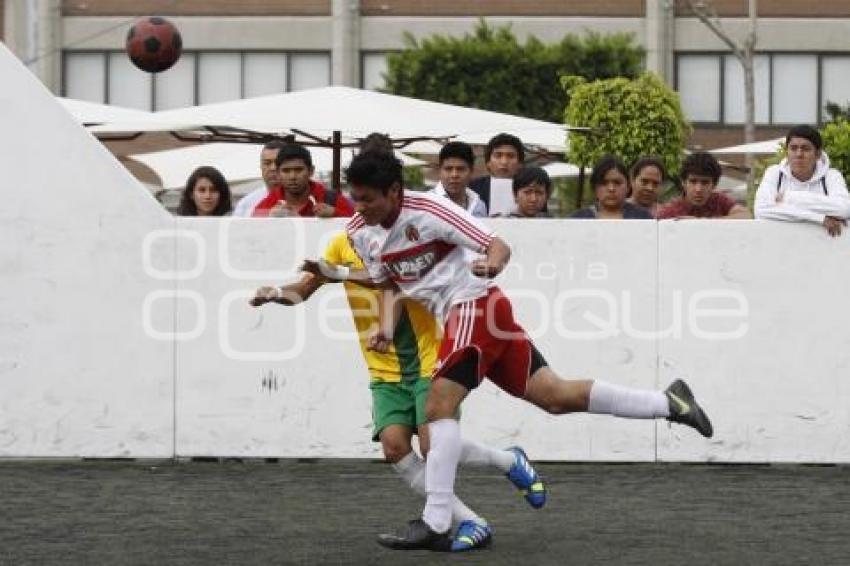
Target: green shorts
point(401, 403)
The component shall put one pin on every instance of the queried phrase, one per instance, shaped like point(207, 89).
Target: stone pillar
point(345, 50)
point(33, 32)
point(660, 29)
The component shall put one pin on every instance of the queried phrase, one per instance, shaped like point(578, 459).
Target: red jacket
point(318, 194)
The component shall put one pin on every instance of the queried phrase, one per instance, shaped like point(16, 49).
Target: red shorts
point(483, 336)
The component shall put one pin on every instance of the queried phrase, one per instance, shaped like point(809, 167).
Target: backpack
point(822, 183)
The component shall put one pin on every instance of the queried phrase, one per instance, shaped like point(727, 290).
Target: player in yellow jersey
point(400, 373)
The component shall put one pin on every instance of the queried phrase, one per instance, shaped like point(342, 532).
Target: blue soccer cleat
point(523, 476)
point(471, 535)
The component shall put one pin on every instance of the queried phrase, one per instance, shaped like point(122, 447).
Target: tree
point(492, 70)
point(836, 111)
point(836, 144)
point(629, 118)
point(744, 51)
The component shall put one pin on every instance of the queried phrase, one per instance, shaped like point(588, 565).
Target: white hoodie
point(802, 201)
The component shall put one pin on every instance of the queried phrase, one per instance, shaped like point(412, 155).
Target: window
point(790, 88)
point(85, 77)
point(176, 88)
point(795, 89)
point(197, 78)
point(309, 70)
point(219, 77)
point(696, 74)
point(126, 85)
point(373, 66)
point(835, 85)
point(734, 108)
point(265, 73)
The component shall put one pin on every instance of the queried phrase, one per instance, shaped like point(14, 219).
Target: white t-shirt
point(246, 205)
point(502, 201)
point(423, 251)
point(475, 206)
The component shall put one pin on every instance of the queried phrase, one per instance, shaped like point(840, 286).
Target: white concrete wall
point(780, 392)
point(126, 332)
point(321, 404)
point(78, 377)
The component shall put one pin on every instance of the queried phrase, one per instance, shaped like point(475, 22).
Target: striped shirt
point(423, 251)
point(413, 352)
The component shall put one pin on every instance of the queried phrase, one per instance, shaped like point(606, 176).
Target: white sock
point(440, 477)
point(412, 469)
point(627, 402)
point(478, 454)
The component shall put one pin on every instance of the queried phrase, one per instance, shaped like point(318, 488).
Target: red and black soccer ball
point(153, 44)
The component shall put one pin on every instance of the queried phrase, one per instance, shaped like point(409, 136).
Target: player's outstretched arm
point(338, 273)
point(498, 255)
point(291, 294)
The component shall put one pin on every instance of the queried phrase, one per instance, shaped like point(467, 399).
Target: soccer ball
point(153, 44)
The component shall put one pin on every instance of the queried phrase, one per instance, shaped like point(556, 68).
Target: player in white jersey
point(413, 242)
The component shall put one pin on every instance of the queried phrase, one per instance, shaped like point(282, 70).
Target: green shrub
point(492, 70)
point(630, 118)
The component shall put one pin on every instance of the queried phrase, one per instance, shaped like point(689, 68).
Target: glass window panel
point(219, 77)
point(836, 80)
point(265, 73)
point(309, 70)
point(698, 78)
point(128, 86)
point(85, 76)
point(374, 67)
point(795, 89)
point(175, 88)
point(733, 90)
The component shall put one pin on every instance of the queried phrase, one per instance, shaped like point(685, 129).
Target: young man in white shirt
point(503, 156)
point(803, 187)
point(415, 243)
point(456, 161)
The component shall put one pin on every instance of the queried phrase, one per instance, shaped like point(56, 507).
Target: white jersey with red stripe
point(423, 251)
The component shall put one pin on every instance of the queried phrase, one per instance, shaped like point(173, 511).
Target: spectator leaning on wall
point(803, 187)
point(700, 174)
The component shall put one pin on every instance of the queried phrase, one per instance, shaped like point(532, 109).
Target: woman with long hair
point(206, 194)
point(610, 182)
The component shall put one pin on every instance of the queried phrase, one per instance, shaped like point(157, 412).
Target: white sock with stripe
point(412, 469)
point(441, 469)
point(628, 402)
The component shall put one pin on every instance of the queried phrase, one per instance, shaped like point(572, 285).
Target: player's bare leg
point(395, 442)
point(560, 396)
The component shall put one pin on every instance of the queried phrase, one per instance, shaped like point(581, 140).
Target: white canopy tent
point(768, 147)
point(353, 112)
point(93, 113)
point(559, 169)
point(236, 161)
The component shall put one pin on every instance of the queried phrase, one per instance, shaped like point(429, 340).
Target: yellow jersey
point(413, 352)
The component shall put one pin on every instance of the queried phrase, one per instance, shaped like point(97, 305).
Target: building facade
point(256, 47)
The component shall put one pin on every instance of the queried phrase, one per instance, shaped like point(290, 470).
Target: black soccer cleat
point(685, 410)
point(417, 535)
